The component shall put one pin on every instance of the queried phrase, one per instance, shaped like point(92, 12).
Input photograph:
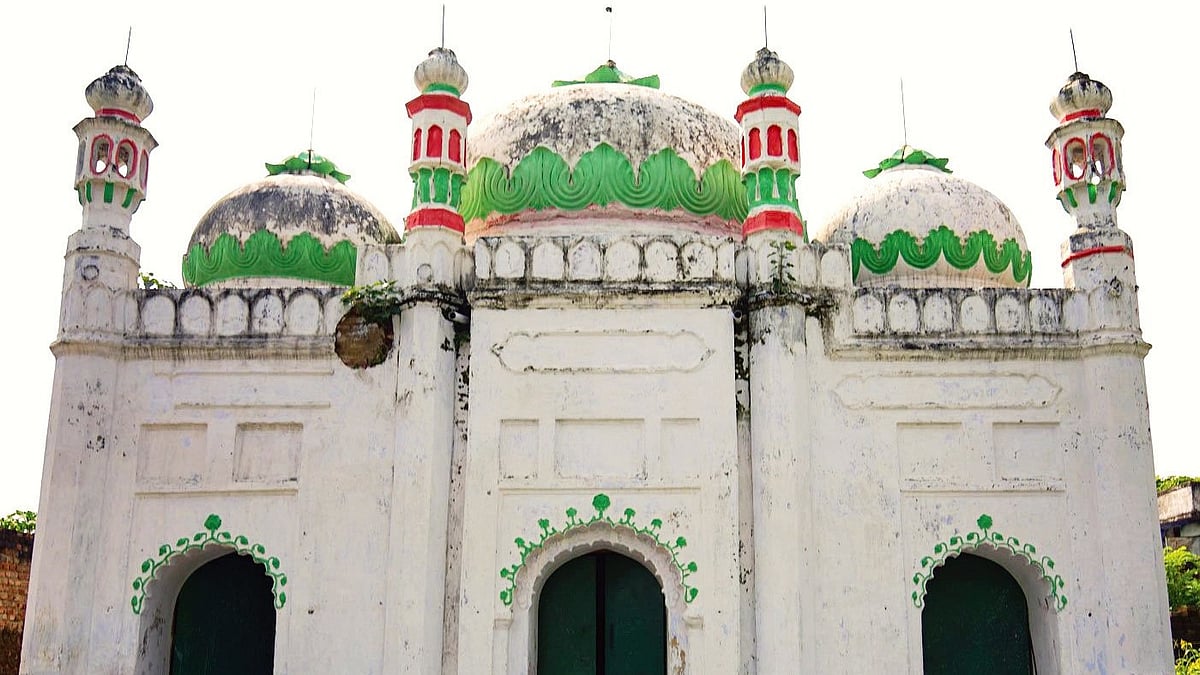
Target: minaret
point(110, 180)
point(770, 153)
point(114, 150)
point(1086, 157)
point(439, 142)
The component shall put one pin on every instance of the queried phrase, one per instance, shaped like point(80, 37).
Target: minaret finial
point(1074, 54)
point(609, 11)
point(128, 42)
point(903, 114)
point(766, 45)
point(312, 124)
point(443, 25)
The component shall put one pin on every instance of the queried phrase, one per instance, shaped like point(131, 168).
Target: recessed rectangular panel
point(172, 455)
point(267, 453)
point(1028, 451)
point(518, 449)
point(684, 454)
point(599, 448)
point(934, 451)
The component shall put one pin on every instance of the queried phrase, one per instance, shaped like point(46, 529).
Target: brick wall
point(16, 552)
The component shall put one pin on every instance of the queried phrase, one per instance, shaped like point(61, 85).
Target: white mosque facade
point(607, 406)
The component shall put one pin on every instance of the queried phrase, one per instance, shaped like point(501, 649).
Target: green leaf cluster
point(1188, 662)
point(19, 521)
point(377, 301)
point(1168, 483)
point(1183, 577)
point(148, 281)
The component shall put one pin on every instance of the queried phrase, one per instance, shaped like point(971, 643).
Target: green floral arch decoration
point(601, 503)
point(986, 536)
point(942, 244)
point(602, 176)
point(263, 255)
point(212, 534)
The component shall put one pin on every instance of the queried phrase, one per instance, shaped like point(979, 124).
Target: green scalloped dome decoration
point(909, 155)
point(308, 162)
point(304, 257)
point(942, 243)
point(609, 74)
point(543, 179)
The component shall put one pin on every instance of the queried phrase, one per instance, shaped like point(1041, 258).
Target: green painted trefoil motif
point(601, 503)
point(308, 161)
point(609, 74)
point(912, 156)
point(212, 534)
point(602, 176)
point(986, 536)
point(263, 255)
point(942, 244)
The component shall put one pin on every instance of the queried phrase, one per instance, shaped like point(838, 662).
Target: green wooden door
point(975, 621)
point(602, 614)
point(224, 620)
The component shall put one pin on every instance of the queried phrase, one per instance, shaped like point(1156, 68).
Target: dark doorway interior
point(224, 620)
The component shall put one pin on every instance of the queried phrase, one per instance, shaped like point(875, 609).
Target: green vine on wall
point(942, 243)
point(985, 536)
point(543, 179)
point(212, 534)
point(601, 503)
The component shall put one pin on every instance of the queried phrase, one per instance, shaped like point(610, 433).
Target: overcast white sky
point(232, 84)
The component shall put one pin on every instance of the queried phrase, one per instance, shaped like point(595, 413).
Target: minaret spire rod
point(903, 113)
point(443, 25)
point(128, 42)
point(765, 44)
point(312, 124)
point(609, 11)
point(1074, 56)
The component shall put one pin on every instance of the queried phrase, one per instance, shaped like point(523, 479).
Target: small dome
point(918, 226)
point(1081, 97)
point(439, 72)
point(119, 93)
point(299, 226)
point(767, 74)
point(610, 147)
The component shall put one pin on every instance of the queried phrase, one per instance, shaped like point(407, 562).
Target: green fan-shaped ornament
point(308, 161)
point(909, 155)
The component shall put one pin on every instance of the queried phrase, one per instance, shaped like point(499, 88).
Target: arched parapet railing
point(579, 536)
point(222, 542)
point(1021, 559)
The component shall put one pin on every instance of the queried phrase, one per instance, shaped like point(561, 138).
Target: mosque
point(605, 404)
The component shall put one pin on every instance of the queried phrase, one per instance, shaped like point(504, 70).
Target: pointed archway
point(224, 620)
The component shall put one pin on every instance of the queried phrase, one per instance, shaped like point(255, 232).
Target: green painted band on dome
point(767, 86)
point(942, 244)
point(441, 87)
point(912, 156)
point(308, 162)
point(543, 180)
point(609, 74)
point(304, 257)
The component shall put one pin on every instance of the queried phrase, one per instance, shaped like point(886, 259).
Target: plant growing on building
point(1183, 577)
point(781, 265)
point(148, 281)
point(1188, 662)
point(19, 521)
point(375, 302)
point(1168, 483)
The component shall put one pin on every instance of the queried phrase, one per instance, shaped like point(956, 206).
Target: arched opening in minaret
point(603, 614)
point(975, 621)
point(224, 620)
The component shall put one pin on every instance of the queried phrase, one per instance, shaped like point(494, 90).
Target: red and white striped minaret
point(439, 142)
point(770, 153)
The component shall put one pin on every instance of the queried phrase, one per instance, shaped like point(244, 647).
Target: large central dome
point(604, 153)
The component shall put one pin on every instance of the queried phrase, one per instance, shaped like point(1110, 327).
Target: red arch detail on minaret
point(774, 141)
point(433, 146)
